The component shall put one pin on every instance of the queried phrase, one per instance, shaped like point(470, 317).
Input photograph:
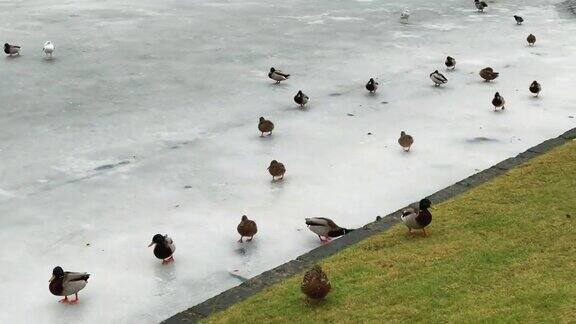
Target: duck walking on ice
point(488, 74)
point(67, 283)
point(11, 49)
point(276, 169)
point(48, 48)
point(164, 248)
point(531, 39)
point(301, 99)
point(265, 126)
point(519, 20)
point(535, 88)
point(372, 85)
point(246, 228)
point(438, 78)
point(277, 75)
point(325, 228)
point(450, 62)
point(498, 102)
point(480, 5)
point(405, 141)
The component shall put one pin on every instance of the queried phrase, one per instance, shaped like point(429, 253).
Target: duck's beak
point(149, 245)
point(51, 278)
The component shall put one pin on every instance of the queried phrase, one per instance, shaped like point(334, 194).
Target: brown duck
point(498, 102)
point(488, 74)
point(247, 228)
point(265, 126)
point(535, 88)
point(405, 141)
point(531, 39)
point(315, 284)
point(276, 169)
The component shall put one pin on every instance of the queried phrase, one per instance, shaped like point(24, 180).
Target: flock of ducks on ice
point(315, 284)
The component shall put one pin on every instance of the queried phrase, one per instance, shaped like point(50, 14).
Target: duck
point(438, 78)
point(66, 283)
point(315, 284)
point(277, 75)
point(372, 85)
point(301, 99)
point(488, 74)
point(535, 88)
point(450, 62)
point(265, 126)
point(405, 141)
point(417, 217)
point(325, 228)
point(11, 49)
point(531, 39)
point(276, 169)
point(480, 5)
point(164, 248)
point(48, 48)
point(519, 20)
point(405, 15)
point(498, 102)
point(247, 228)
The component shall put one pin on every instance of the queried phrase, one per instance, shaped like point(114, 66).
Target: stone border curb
point(266, 279)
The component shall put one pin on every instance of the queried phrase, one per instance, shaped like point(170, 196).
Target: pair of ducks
point(315, 283)
point(325, 228)
point(439, 78)
point(48, 49)
point(277, 75)
point(498, 101)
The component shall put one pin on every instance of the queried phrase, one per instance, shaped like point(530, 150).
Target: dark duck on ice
point(163, 248)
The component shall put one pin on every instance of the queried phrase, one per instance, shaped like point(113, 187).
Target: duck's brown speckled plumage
point(265, 126)
point(498, 101)
point(531, 39)
point(315, 284)
point(276, 169)
point(405, 141)
point(247, 228)
point(488, 74)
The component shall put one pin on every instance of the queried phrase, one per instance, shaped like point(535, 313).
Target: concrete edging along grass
point(301, 263)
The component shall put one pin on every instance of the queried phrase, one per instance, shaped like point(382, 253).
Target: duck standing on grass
point(450, 62)
point(277, 75)
point(276, 169)
point(417, 217)
point(325, 228)
point(498, 102)
point(531, 39)
point(372, 86)
point(164, 248)
point(265, 126)
point(67, 283)
point(488, 74)
point(315, 284)
point(246, 228)
point(405, 141)
point(11, 49)
point(480, 5)
point(438, 78)
point(48, 48)
point(301, 99)
point(535, 88)
point(519, 20)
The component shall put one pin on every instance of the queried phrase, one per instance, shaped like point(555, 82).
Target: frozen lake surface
point(145, 122)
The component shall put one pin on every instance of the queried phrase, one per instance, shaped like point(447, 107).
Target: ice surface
point(145, 122)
